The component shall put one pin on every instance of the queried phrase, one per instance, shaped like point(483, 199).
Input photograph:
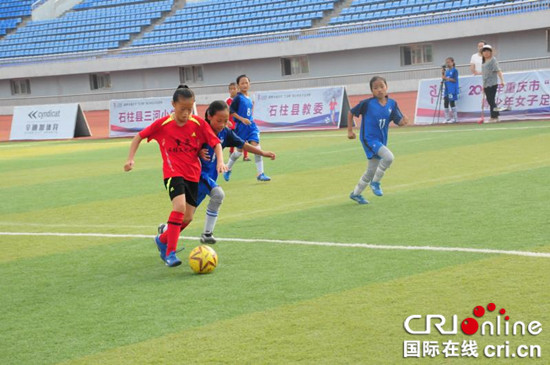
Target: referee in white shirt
point(477, 59)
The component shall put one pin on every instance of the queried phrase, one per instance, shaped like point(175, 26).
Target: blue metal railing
point(37, 3)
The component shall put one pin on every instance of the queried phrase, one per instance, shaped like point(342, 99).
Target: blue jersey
point(228, 138)
point(450, 86)
point(242, 105)
point(376, 120)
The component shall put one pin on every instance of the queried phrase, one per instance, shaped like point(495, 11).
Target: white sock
point(379, 174)
point(365, 180)
point(361, 186)
point(210, 222)
point(259, 162)
point(455, 115)
point(233, 158)
point(216, 199)
point(447, 114)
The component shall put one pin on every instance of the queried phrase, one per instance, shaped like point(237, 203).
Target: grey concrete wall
point(257, 70)
point(508, 46)
point(155, 78)
point(5, 89)
point(131, 82)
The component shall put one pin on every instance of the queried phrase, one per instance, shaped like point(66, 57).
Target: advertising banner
point(525, 94)
point(305, 109)
point(61, 121)
point(130, 116)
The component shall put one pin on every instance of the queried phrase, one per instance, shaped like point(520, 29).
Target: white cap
point(487, 46)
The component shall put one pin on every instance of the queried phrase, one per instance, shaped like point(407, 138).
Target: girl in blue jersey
point(241, 111)
point(377, 113)
point(450, 77)
point(217, 115)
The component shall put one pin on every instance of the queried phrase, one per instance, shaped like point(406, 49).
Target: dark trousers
point(490, 94)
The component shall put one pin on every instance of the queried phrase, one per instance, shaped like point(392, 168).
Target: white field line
point(71, 225)
point(419, 130)
point(298, 242)
point(343, 134)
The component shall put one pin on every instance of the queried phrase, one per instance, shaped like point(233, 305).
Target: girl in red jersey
point(180, 136)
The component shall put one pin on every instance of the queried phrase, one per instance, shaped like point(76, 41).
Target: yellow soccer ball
point(203, 259)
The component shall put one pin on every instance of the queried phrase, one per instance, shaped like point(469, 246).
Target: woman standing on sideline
point(491, 73)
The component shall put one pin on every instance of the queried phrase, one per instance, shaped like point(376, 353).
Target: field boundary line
point(299, 242)
point(340, 135)
point(420, 130)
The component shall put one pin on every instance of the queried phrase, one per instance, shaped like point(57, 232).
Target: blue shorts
point(371, 148)
point(451, 96)
point(205, 187)
point(248, 133)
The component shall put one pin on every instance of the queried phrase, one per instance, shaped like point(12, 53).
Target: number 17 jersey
point(376, 119)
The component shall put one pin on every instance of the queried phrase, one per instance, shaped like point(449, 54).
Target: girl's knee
point(388, 157)
point(217, 195)
point(178, 206)
point(387, 160)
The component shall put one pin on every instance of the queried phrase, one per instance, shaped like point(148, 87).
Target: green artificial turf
point(110, 300)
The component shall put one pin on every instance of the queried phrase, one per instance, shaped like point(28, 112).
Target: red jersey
point(229, 101)
point(180, 145)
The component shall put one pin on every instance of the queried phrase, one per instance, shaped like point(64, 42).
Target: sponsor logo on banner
point(35, 114)
point(306, 109)
point(490, 331)
point(525, 94)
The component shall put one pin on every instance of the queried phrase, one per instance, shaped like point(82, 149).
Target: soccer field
point(305, 274)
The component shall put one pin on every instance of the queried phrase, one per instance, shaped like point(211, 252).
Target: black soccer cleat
point(208, 238)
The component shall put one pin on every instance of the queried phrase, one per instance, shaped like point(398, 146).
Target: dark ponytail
point(215, 107)
point(183, 92)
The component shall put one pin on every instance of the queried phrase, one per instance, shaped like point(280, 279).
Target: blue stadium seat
point(106, 24)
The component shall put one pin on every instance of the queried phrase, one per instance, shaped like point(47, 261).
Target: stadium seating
point(368, 10)
point(196, 22)
point(11, 13)
point(94, 25)
point(103, 25)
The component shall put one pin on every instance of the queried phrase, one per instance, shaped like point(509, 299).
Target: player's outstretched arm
point(255, 150)
point(238, 117)
point(351, 134)
point(220, 166)
point(129, 165)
